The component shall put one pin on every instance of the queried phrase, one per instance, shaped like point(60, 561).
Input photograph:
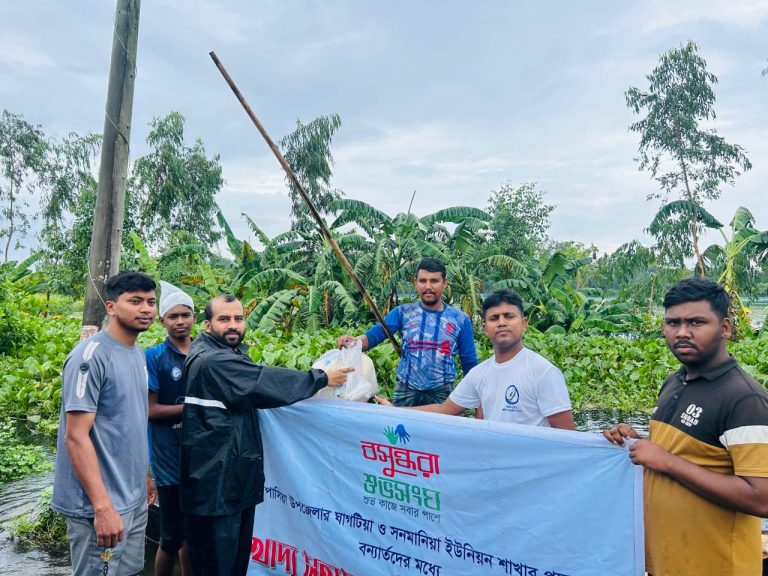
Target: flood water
point(21, 496)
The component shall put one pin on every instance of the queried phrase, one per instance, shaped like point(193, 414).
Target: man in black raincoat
point(222, 469)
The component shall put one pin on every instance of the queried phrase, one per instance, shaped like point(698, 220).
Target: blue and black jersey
point(165, 366)
point(431, 338)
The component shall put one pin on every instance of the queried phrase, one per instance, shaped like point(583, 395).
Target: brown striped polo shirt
point(718, 421)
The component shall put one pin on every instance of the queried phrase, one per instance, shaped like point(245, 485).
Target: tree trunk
point(694, 223)
point(10, 225)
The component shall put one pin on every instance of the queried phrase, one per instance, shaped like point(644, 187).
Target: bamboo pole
point(315, 214)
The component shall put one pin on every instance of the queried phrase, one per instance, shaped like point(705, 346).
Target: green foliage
point(18, 459)
point(30, 384)
point(22, 164)
point(752, 354)
point(519, 219)
point(736, 264)
point(608, 371)
point(68, 204)
point(601, 371)
point(12, 332)
point(42, 528)
point(684, 158)
point(173, 188)
point(392, 248)
point(308, 152)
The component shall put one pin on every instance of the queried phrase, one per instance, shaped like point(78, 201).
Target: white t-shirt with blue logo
point(524, 390)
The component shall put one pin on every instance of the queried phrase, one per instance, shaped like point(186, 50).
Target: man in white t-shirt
point(516, 385)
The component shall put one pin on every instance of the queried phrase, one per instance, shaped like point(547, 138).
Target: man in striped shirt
point(706, 462)
point(433, 332)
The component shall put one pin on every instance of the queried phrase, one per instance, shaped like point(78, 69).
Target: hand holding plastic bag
point(361, 384)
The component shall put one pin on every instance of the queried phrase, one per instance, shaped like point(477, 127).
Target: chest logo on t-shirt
point(512, 395)
point(691, 415)
point(176, 373)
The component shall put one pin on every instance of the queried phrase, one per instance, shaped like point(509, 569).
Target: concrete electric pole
point(104, 254)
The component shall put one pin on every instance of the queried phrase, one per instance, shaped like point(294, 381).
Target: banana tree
point(734, 259)
point(396, 244)
point(559, 304)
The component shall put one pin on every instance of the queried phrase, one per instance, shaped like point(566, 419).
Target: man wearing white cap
point(167, 388)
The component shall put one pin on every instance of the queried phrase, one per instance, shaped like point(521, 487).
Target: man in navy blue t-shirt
point(167, 388)
point(433, 332)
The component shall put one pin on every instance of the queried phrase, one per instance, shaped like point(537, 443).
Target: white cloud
point(661, 14)
point(259, 176)
point(212, 19)
point(14, 54)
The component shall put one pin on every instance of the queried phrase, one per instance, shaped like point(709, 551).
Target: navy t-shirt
point(165, 366)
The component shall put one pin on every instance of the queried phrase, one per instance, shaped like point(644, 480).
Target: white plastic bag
point(361, 384)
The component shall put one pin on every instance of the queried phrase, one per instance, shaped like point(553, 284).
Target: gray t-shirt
point(102, 375)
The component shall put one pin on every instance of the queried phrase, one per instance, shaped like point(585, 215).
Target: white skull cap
point(171, 296)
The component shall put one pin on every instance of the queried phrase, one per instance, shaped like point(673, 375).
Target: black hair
point(696, 289)
point(128, 281)
point(431, 265)
point(505, 295)
point(209, 307)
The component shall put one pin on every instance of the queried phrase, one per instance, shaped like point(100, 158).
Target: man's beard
point(222, 337)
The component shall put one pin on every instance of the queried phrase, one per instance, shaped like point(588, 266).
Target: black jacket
point(222, 467)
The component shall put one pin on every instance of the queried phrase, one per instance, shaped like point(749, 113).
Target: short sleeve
point(152, 369)
point(552, 393)
point(466, 393)
point(83, 376)
point(746, 436)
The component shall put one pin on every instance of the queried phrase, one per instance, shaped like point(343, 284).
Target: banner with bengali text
point(358, 489)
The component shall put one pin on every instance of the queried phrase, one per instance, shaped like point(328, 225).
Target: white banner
point(357, 489)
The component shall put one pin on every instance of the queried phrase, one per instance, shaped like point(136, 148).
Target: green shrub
point(13, 334)
point(608, 372)
point(18, 459)
point(30, 381)
point(42, 528)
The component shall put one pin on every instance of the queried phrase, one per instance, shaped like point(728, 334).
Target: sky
point(445, 98)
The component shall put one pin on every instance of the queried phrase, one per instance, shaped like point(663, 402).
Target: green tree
point(173, 188)
point(23, 151)
point(67, 205)
point(687, 160)
point(520, 219)
point(308, 152)
point(634, 273)
point(397, 244)
point(737, 263)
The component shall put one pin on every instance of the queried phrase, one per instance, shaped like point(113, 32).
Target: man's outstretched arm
point(448, 407)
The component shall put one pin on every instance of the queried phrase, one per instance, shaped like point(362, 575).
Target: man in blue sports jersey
point(167, 388)
point(432, 333)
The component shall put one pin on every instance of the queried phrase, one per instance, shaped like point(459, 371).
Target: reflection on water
point(16, 498)
point(598, 420)
point(21, 497)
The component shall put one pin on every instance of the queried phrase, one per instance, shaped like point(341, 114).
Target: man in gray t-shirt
point(100, 480)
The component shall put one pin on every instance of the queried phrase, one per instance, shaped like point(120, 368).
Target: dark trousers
point(220, 545)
